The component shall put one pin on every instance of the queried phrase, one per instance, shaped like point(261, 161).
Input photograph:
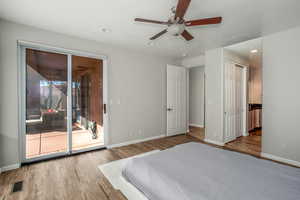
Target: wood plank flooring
point(197, 132)
point(249, 144)
point(78, 177)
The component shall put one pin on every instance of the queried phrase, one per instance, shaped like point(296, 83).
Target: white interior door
point(234, 101)
point(239, 100)
point(176, 100)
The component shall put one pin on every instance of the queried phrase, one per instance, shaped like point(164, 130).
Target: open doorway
point(197, 102)
point(246, 56)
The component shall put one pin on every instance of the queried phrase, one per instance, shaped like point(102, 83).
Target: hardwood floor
point(76, 177)
point(250, 144)
point(197, 132)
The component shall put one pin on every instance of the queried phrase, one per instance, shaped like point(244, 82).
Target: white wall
point(196, 96)
point(137, 80)
point(281, 94)
point(214, 95)
point(255, 79)
point(231, 56)
point(193, 61)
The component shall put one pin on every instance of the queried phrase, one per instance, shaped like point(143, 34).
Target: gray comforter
point(195, 171)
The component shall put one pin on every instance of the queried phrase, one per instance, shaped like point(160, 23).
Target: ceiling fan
point(177, 25)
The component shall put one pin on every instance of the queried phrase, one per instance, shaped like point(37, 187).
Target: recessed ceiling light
point(254, 51)
point(184, 54)
point(105, 30)
point(150, 43)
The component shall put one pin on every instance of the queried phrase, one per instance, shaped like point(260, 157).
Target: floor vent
point(17, 186)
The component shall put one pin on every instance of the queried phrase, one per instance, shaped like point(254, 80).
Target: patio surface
point(54, 142)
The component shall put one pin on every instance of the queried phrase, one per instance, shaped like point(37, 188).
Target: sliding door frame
point(22, 46)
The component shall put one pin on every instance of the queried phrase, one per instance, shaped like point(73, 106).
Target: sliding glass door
point(46, 103)
point(87, 103)
point(62, 103)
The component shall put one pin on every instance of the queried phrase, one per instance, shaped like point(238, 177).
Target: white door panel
point(239, 101)
point(234, 101)
point(176, 100)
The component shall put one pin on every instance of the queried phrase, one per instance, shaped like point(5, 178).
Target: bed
point(195, 171)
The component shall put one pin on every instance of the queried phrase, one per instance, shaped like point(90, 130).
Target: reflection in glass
point(87, 109)
point(46, 103)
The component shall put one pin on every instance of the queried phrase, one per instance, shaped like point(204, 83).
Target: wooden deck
point(57, 141)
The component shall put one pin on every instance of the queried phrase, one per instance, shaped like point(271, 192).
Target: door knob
point(169, 109)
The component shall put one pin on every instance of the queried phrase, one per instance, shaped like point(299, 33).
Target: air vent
point(18, 186)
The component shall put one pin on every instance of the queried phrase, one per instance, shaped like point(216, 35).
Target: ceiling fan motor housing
point(176, 29)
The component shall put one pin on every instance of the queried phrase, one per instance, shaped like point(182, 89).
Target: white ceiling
point(244, 49)
point(242, 20)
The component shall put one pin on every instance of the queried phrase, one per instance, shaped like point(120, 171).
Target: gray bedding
point(195, 171)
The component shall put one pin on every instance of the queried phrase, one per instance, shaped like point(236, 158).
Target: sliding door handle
point(104, 108)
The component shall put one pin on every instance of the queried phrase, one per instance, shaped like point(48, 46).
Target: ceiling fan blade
point(158, 34)
point(187, 36)
point(181, 9)
point(149, 21)
point(207, 21)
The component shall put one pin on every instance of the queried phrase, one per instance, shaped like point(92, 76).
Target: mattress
point(195, 171)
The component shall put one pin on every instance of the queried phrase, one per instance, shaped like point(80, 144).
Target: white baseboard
point(197, 125)
point(246, 134)
point(135, 141)
point(280, 159)
point(10, 167)
point(214, 142)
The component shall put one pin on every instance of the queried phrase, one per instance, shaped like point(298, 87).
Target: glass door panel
point(46, 103)
point(87, 103)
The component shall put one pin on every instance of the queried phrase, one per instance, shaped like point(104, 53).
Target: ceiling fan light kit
point(177, 25)
point(176, 29)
